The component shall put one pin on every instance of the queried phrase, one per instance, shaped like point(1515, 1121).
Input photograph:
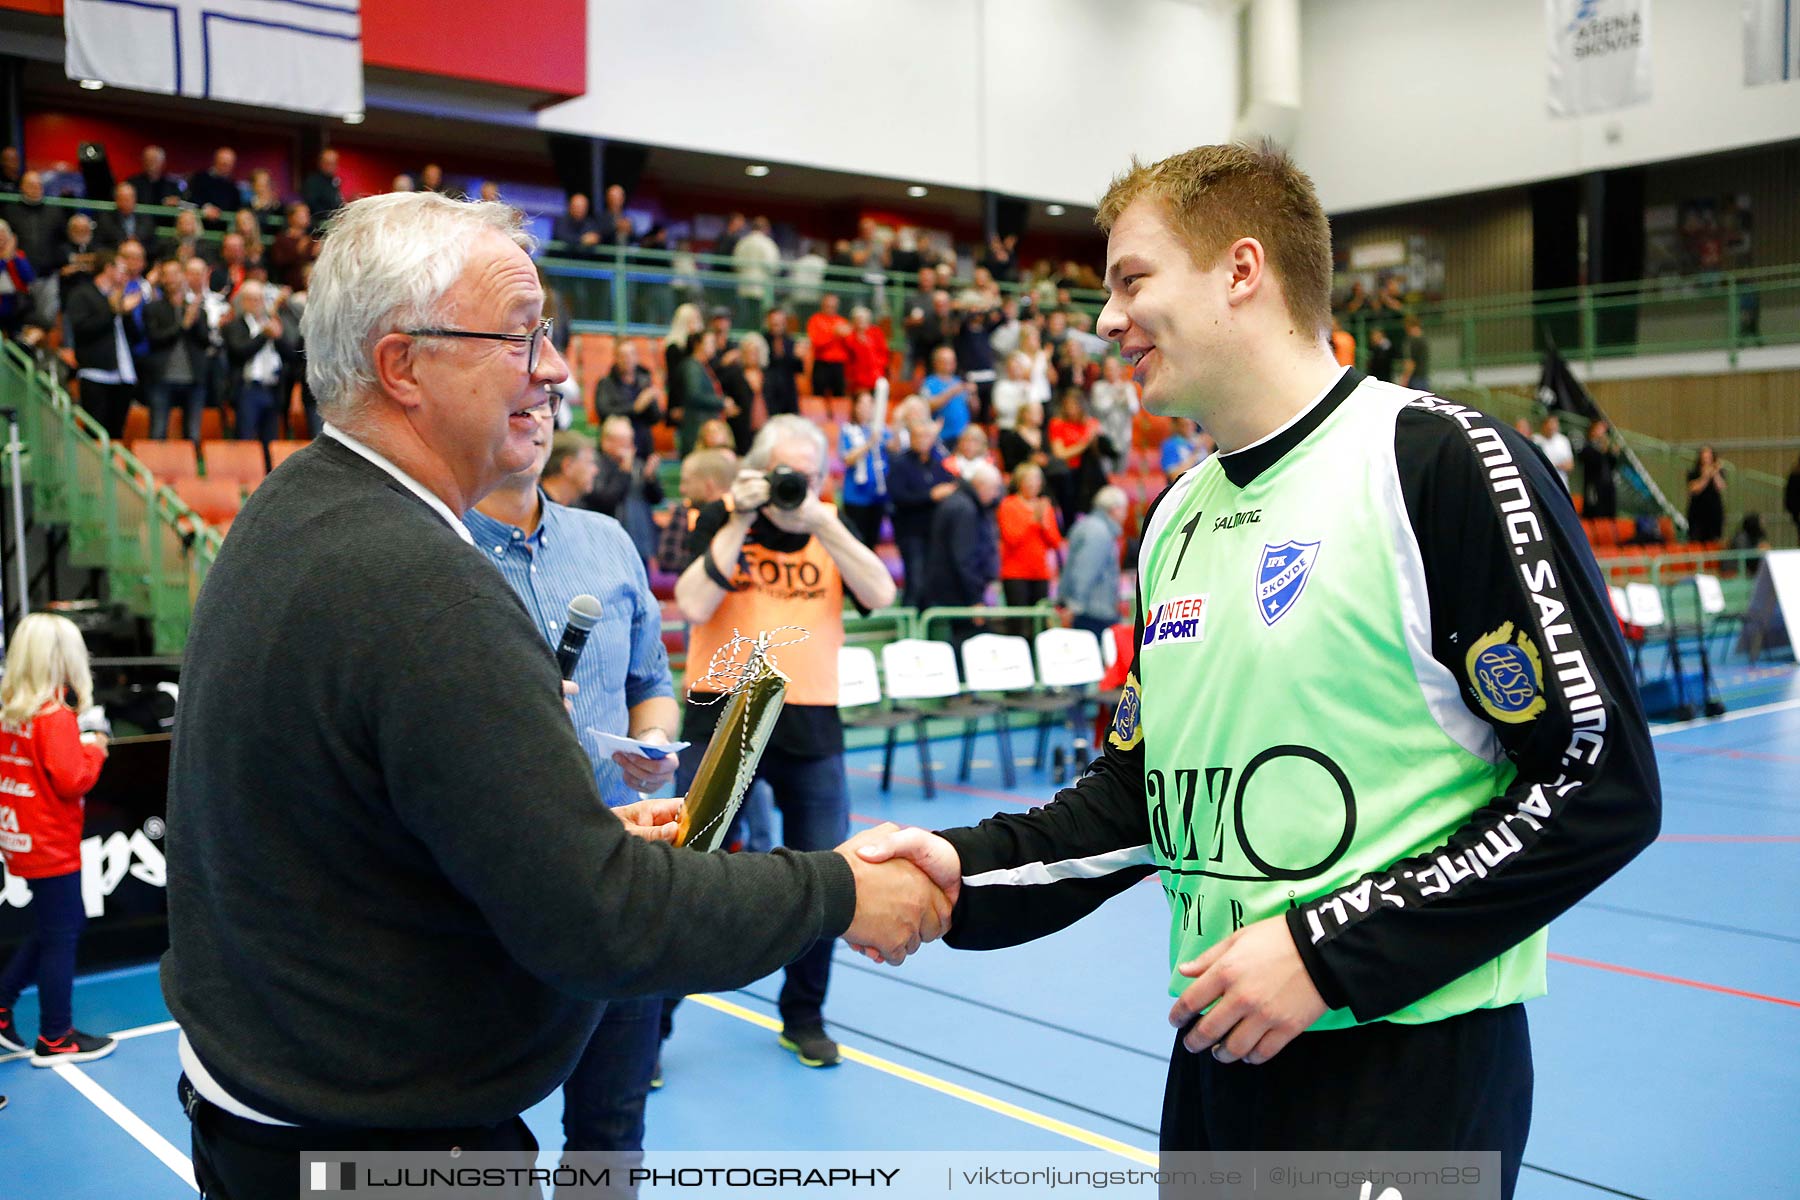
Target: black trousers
point(236, 1159)
point(1463, 1083)
point(108, 403)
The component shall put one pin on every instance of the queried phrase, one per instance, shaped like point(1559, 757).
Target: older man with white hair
point(396, 900)
point(258, 344)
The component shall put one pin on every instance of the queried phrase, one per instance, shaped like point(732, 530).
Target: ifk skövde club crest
point(1282, 577)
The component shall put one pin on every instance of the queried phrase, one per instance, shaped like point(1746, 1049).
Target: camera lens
point(787, 488)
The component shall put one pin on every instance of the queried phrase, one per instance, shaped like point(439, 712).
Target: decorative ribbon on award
point(753, 691)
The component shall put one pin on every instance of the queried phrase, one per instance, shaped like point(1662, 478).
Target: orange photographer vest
point(800, 587)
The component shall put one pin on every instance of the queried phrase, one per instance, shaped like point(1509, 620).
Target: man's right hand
point(898, 907)
point(927, 851)
point(749, 492)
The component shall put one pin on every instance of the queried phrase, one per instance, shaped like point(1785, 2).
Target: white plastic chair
point(859, 683)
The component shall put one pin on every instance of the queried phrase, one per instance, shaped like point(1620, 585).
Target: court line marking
point(1726, 719)
point(954, 1090)
point(146, 1030)
point(129, 1121)
point(1676, 979)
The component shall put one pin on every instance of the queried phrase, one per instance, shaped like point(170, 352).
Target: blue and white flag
point(1771, 42)
point(304, 55)
point(1599, 55)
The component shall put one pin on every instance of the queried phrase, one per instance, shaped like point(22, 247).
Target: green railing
point(153, 549)
point(999, 619)
point(1747, 491)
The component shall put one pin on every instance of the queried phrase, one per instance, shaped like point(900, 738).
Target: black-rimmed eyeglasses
point(534, 340)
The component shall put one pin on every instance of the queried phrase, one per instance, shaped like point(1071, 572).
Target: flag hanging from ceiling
point(1599, 55)
point(304, 55)
point(1771, 42)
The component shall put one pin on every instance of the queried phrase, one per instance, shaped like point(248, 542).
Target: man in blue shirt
point(550, 554)
point(947, 395)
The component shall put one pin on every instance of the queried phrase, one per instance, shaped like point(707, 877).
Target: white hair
point(1112, 499)
point(784, 427)
point(385, 264)
point(981, 472)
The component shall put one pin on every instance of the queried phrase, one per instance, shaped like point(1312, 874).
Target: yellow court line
point(968, 1095)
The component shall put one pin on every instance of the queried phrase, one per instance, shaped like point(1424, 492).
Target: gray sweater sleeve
point(484, 768)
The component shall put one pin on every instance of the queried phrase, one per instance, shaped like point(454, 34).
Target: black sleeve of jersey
point(1028, 874)
point(1501, 546)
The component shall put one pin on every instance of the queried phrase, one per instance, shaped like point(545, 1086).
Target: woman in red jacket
point(1028, 536)
point(47, 766)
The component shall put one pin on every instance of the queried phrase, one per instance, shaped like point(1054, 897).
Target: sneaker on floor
point(10, 1038)
point(2, 1101)
point(72, 1047)
point(810, 1045)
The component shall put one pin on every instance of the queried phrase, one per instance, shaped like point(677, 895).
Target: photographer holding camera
point(770, 555)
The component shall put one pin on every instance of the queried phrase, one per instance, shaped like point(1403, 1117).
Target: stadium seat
point(215, 501)
point(137, 424)
point(167, 462)
point(280, 452)
point(859, 695)
point(241, 463)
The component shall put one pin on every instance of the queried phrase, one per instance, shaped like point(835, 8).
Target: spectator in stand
point(16, 278)
point(246, 226)
point(868, 345)
point(176, 374)
point(715, 435)
point(613, 200)
point(78, 250)
point(1343, 346)
point(683, 325)
point(1030, 538)
point(11, 169)
point(403, 183)
point(755, 258)
point(917, 305)
point(1012, 394)
point(965, 547)
point(970, 451)
point(323, 190)
point(1042, 373)
point(1706, 498)
point(726, 245)
point(1522, 427)
point(232, 270)
point(1358, 301)
point(95, 306)
point(258, 345)
point(829, 334)
point(1381, 354)
point(1599, 472)
point(1114, 399)
point(917, 481)
point(431, 179)
point(718, 319)
point(706, 476)
point(630, 391)
point(1026, 443)
point(781, 386)
point(935, 330)
point(862, 448)
point(39, 229)
point(216, 189)
point(264, 200)
point(806, 274)
point(903, 258)
point(701, 400)
point(626, 487)
point(1184, 449)
point(1089, 587)
point(48, 767)
point(153, 184)
point(1073, 434)
point(490, 191)
point(1390, 306)
point(1000, 259)
point(1751, 536)
point(1415, 355)
point(741, 380)
point(1555, 445)
point(947, 395)
point(1790, 496)
point(184, 240)
point(293, 309)
point(576, 229)
point(139, 292)
point(294, 247)
point(975, 324)
point(125, 223)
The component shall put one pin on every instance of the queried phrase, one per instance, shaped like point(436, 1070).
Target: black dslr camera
point(787, 488)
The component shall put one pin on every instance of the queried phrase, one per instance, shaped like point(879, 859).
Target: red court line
point(1693, 983)
point(1729, 837)
point(1716, 752)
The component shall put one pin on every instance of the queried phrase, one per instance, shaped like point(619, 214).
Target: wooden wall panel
point(1486, 239)
point(1770, 176)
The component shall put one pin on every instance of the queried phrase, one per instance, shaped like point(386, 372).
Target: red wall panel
point(540, 47)
point(53, 138)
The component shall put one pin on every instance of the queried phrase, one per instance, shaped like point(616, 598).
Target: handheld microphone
point(584, 611)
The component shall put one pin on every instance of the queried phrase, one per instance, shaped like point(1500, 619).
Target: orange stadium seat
point(168, 462)
point(137, 424)
point(215, 501)
point(280, 452)
point(241, 463)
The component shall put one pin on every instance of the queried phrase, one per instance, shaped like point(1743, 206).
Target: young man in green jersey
point(1379, 732)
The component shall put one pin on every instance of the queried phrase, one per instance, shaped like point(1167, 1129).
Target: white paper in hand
point(612, 743)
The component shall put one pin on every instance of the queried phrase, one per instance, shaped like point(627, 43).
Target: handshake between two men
point(906, 879)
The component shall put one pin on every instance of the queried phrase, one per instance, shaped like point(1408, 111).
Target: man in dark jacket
point(965, 546)
point(781, 391)
point(125, 223)
point(258, 344)
point(175, 370)
point(917, 481)
point(95, 307)
point(153, 185)
point(322, 190)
